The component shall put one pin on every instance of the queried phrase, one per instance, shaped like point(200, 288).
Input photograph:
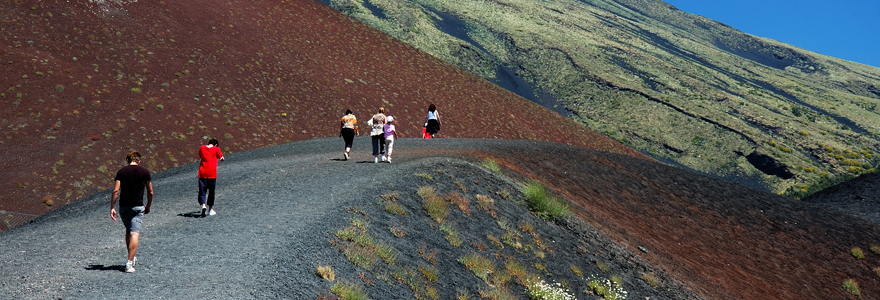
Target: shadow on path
point(195, 214)
point(120, 268)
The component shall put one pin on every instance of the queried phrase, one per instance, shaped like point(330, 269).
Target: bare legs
point(131, 242)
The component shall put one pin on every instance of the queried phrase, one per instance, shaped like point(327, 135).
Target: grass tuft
point(436, 207)
point(459, 201)
point(395, 208)
point(609, 290)
point(875, 249)
point(326, 272)
point(451, 236)
point(478, 264)
point(852, 287)
point(349, 291)
point(425, 176)
point(651, 279)
point(857, 253)
point(491, 165)
point(544, 205)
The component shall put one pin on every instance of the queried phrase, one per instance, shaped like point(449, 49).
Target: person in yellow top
point(348, 129)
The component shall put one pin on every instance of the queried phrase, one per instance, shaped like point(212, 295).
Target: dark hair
point(214, 142)
point(347, 111)
point(382, 110)
point(432, 107)
point(133, 156)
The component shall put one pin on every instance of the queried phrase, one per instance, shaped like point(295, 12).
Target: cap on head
point(390, 119)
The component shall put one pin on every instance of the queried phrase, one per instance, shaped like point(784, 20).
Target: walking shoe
point(204, 210)
point(389, 159)
point(134, 261)
point(346, 155)
point(375, 160)
point(129, 268)
point(212, 212)
point(383, 158)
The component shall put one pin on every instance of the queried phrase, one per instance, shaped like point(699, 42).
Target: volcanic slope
point(84, 82)
point(678, 86)
point(285, 210)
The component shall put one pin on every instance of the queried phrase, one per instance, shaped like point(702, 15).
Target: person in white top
point(377, 133)
point(432, 125)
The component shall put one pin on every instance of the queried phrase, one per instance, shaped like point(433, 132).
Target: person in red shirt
point(208, 154)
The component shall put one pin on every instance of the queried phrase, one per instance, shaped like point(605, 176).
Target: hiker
point(208, 154)
point(390, 136)
point(377, 133)
point(131, 181)
point(432, 125)
point(348, 129)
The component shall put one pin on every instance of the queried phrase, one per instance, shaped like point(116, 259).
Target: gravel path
point(278, 209)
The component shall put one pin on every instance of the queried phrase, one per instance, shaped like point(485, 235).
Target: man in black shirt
point(131, 181)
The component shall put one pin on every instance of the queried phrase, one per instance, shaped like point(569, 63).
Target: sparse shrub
point(602, 266)
point(326, 272)
point(462, 294)
point(491, 165)
point(875, 249)
point(651, 279)
point(395, 208)
point(436, 207)
point(495, 241)
point(135, 90)
point(451, 235)
point(160, 106)
point(477, 264)
point(48, 201)
point(430, 272)
point(59, 88)
point(542, 203)
point(540, 290)
point(852, 287)
point(397, 231)
point(486, 204)
point(858, 253)
point(461, 185)
point(349, 291)
point(606, 288)
point(497, 293)
point(577, 271)
point(393, 196)
point(459, 201)
point(425, 176)
point(877, 270)
point(504, 194)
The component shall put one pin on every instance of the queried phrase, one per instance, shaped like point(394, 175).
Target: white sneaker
point(375, 160)
point(383, 158)
point(129, 268)
point(134, 261)
point(389, 159)
point(204, 210)
point(212, 212)
point(346, 155)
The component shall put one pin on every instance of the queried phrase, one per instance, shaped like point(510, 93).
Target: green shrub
point(875, 249)
point(491, 165)
point(542, 203)
point(857, 253)
point(477, 264)
point(852, 287)
point(349, 291)
point(651, 279)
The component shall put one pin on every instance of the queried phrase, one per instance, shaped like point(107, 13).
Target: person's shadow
point(120, 268)
point(195, 214)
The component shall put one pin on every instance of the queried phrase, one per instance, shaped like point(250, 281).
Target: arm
point(113, 198)
point(149, 197)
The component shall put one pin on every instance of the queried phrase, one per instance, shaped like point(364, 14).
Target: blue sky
point(848, 29)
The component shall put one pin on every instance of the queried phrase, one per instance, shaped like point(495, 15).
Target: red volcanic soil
point(722, 240)
point(83, 83)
